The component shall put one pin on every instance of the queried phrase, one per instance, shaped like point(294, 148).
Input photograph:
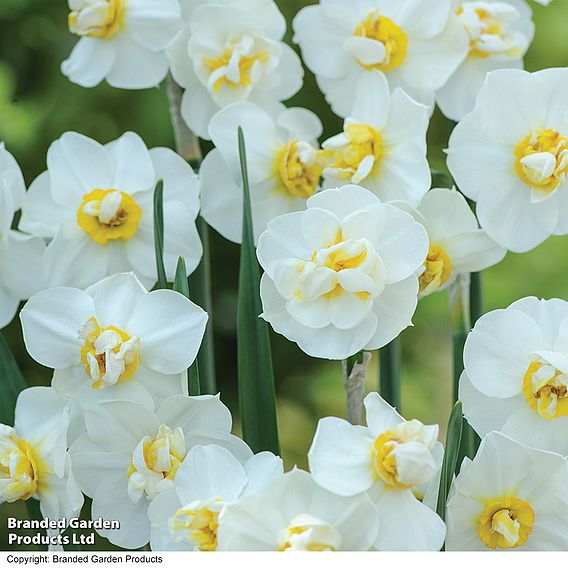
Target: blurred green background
point(38, 104)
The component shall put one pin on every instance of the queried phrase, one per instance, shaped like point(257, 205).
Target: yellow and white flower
point(387, 459)
point(416, 44)
point(383, 144)
point(114, 341)
point(509, 498)
point(130, 455)
point(284, 164)
point(510, 154)
point(342, 275)
point(499, 34)
point(231, 51)
point(34, 463)
point(187, 517)
point(96, 204)
point(516, 373)
point(457, 244)
point(122, 41)
point(293, 513)
point(20, 255)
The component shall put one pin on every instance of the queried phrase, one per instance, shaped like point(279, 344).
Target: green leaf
point(441, 179)
point(12, 383)
point(389, 369)
point(200, 286)
point(451, 453)
point(257, 397)
point(159, 234)
point(181, 285)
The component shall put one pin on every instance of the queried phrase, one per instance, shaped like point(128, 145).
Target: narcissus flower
point(131, 454)
point(510, 154)
point(388, 459)
point(284, 165)
point(499, 33)
point(416, 44)
point(516, 380)
point(230, 51)
point(457, 244)
point(122, 41)
point(115, 341)
point(294, 514)
point(96, 203)
point(20, 255)
point(341, 276)
point(187, 516)
point(383, 144)
point(510, 497)
point(34, 463)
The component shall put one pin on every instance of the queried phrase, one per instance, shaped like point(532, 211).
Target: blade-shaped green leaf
point(451, 453)
point(11, 383)
point(256, 377)
point(389, 369)
point(159, 234)
point(181, 285)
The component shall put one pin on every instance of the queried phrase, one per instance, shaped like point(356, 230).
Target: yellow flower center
point(384, 459)
point(505, 523)
point(197, 524)
point(541, 160)
point(437, 269)
point(19, 468)
point(309, 534)
point(394, 39)
point(100, 19)
point(235, 66)
point(299, 168)
point(545, 389)
point(107, 215)
point(355, 154)
point(109, 354)
point(155, 462)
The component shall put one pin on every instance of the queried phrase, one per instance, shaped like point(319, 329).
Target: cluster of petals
point(394, 462)
point(516, 373)
point(510, 497)
point(121, 41)
point(20, 254)
point(341, 276)
point(230, 51)
point(510, 155)
point(95, 206)
point(115, 340)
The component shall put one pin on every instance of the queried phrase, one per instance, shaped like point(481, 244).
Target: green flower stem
point(389, 369)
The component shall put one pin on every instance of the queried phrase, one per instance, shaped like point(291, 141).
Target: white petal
point(89, 62)
point(380, 415)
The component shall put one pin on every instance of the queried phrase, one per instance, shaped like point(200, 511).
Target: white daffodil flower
point(416, 44)
point(516, 373)
point(20, 255)
point(457, 244)
point(114, 341)
point(284, 164)
point(34, 463)
point(96, 204)
point(130, 455)
point(510, 154)
point(187, 516)
point(293, 513)
point(510, 497)
point(383, 144)
point(231, 51)
point(499, 33)
point(387, 459)
point(122, 41)
point(342, 275)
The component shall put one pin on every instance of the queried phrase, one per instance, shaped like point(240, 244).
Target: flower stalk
point(389, 369)
point(354, 371)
